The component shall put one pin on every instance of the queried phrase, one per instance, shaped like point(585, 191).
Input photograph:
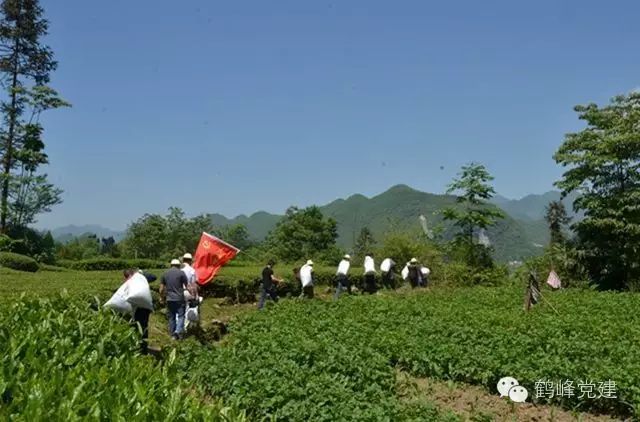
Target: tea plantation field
point(309, 360)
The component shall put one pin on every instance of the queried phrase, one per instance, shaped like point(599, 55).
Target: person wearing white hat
point(192, 292)
point(342, 277)
point(172, 286)
point(306, 278)
point(415, 275)
point(369, 274)
point(190, 272)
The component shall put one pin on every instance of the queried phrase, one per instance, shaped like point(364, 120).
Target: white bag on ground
point(139, 293)
point(192, 314)
point(118, 301)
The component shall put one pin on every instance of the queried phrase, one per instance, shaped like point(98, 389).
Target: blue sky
point(234, 107)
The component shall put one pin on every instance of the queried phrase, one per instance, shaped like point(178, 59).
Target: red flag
point(211, 255)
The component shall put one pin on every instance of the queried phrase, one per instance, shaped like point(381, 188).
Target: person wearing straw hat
point(172, 286)
point(342, 277)
point(306, 278)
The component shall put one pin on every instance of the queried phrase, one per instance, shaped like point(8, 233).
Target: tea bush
point(314, 360)
point(18, 262)
point(110, 264)
point(62, 361)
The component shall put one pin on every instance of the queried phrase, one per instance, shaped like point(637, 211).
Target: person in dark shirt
point(173, 284)
point(415, 275)
point(268, 289)
point(140, 316)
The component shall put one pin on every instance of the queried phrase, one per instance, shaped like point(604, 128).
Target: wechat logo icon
point(510, 387)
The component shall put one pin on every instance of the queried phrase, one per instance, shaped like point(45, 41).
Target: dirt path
point(474, 403)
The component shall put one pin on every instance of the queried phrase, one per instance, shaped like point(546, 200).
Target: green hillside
point(399, 208)
point(533, 207)
point(258, 225)
point(519, 235)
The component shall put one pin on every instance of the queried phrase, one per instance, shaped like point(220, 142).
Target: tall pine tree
point(556, 217)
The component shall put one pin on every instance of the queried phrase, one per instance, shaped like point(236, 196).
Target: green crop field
point(307, 360)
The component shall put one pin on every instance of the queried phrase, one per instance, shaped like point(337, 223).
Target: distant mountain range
point(532, 207)
point(522, 233)
point(67, 233)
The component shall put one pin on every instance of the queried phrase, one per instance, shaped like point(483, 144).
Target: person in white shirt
point(192, 293)
point(342, 276)
point(306, 278)
point(187, 269)
point(388, 269)
point(369, 274)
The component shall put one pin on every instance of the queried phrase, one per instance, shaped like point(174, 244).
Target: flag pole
point(548, 303)
point(226, 243)
point(533, 276)
point(234, 247)
point(249, 255)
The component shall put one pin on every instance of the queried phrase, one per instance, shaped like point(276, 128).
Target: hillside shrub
point(18, 262)
point(403, 246)
point(6, 243)
point(462, 275)
point(62, 361)
point(564, 260)
point(53, 268)
point(110, 264)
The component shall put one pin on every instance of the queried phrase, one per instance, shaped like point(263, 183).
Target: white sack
point(405, 272)
point(386, 265)
point(118, 301)
point(139, 293)
point(192, 314)
point(305, 275)
point(369, 265)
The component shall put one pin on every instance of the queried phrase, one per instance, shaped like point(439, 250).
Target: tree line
point(601, 163)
